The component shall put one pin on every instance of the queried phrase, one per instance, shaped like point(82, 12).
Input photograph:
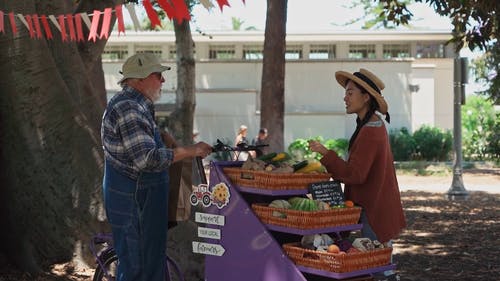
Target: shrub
point(494, 140)
point(299, 148)
point(403, 145)
point(433, 144)
point(478, 121)
point(338, 145)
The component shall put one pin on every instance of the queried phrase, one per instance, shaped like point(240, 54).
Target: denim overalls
point(137, 212)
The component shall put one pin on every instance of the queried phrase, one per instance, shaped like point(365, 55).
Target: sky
point(305, 15)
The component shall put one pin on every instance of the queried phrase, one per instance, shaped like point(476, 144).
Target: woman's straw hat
point(371, 83)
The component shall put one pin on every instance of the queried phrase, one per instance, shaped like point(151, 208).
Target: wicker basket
point(268, 180)
point(339, 263)
point(307, 219)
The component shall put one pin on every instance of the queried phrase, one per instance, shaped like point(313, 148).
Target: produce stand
point(238, 246)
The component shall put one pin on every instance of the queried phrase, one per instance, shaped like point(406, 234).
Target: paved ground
point(487, 180)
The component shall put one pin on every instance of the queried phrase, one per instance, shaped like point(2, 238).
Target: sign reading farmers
point(327, 191)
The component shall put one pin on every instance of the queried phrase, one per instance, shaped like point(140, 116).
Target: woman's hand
point(316, 146)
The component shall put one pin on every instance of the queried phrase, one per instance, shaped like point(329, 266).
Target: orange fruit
point(333, 249)
point(349, 204)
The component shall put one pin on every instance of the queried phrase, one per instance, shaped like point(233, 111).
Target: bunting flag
point(207, 4)
point(38, 29)
point(222, 3)
point(182, 11)
point(94, 26)
point(23, 20)
point(1, 22)
point(133, 16)
point(31, 29)
point(106, 21)
point(169, 9)
point(64, 36)
point(79, 29)
point(52, 18)
point(12, 23)
point(152, 15)
point(70, 25)
point(119, 16)
point(46, 27)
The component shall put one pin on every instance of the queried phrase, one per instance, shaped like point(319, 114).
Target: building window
point(221, 52)
point(396, 51)
point(322, 52)
point(362, 51)
point(152, 49)
point(115, 53)
point(172, 53)
point(293, 52)
point(253, 52)
point(430, 50)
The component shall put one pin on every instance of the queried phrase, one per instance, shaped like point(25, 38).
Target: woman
point(241, 138)
point(368, 174)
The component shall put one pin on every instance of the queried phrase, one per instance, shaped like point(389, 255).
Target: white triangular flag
point(207, 4)
point(23, 20)
point(54, 21)
point(133, 16)
point(86, 20)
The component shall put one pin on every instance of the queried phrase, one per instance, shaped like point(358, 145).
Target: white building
point(416, 67)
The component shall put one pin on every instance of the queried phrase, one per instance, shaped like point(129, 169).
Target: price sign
point(327, 191)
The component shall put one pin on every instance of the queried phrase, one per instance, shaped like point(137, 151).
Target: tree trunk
point(181, 120)
point(273, 74)
point(51, 157)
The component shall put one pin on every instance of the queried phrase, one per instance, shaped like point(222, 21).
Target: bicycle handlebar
point(221, 147)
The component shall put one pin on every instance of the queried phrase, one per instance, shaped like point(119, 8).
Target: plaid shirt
point(128, 135)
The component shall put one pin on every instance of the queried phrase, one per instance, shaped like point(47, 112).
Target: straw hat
point(371, 83)
point(141, 65)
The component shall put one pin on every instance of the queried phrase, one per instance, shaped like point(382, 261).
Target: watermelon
point(304, 204)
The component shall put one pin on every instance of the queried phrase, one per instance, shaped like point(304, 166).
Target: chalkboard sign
point(327, 191)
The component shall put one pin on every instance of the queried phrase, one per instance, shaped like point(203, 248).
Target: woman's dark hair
point(360, 123)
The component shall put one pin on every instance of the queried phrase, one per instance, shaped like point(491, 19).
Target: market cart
point(239, 246)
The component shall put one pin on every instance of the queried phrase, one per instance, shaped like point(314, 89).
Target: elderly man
point(135, 183)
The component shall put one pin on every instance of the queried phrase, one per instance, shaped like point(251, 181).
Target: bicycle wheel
point(109, 261)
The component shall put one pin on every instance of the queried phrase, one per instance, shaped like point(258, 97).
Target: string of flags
point(70, 26)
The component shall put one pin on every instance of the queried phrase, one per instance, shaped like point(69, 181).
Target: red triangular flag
point(182, 11)
point(222, 3)
point(169, 9)
point(30, 26)
point(119, 16)
point(12, 23)
point(105, 23)
point(95, 25)
point(64, 36)
point(79, 29)
point(152, 15)
point(38, 29)
point(2, 29)
point(71, 25)
point(46, 27)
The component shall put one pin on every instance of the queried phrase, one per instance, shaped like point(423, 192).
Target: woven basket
point(339, 263)
point(268, 180)
point(307, 219)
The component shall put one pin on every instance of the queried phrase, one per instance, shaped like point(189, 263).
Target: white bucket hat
point(141, 65)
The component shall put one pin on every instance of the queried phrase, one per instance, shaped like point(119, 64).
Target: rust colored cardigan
point(370, 180)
